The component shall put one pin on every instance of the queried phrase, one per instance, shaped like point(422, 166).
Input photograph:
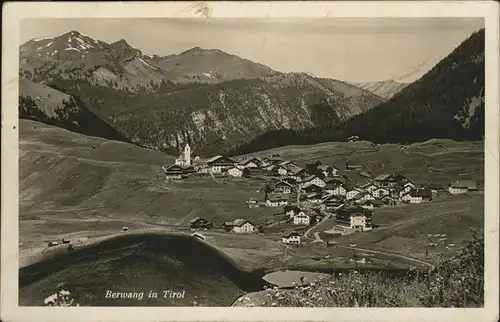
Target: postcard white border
point(15, 11)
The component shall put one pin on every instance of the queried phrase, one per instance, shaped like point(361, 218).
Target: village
point(307, 196)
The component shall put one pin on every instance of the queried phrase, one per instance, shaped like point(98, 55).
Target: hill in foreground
point(139, 262)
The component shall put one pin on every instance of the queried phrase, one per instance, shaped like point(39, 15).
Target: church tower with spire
point(187, 154)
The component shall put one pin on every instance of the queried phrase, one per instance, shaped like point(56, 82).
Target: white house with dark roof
point(461, 186)
point(291, 237)
point(380, 192)
point(301, 219)
point(240, 226)
point(315, 180)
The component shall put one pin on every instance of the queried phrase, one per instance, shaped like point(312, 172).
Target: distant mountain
point(385, 89)
point(42, 103)
point(447, 102)
point(209, 98)
point(216, 117)
point(119, 65)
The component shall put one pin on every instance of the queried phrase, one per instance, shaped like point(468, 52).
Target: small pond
point(287, 278)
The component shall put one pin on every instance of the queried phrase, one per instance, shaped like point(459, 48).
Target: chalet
point(315, 180)
point(251, 163)
point(461, 186)
point(313, 198)
point(417, 196)
point(219, 164)
point(291, 237)
point(310, 188)
point(198, 235)
point(332, 201)
point(291, 167)
point(349, 167)
point(365, 195)
point(282, 171)
point(235, 172)
point(369, 186)
point(389, 180)
point(406, 187)
point(174, 172)
point(289, 180)
point(389, 201)
point(355, 218)
point(353, 138)
point(199, 222)
point(292, 210)
point(328, 170)
point(351, 194)
point(252, 203)
point(269, 167)
point(335, 188)
point(366, 204)
point(301, 219)
point(52, 243)
point(380, 192)
point(256, 172)
point(282, 187)
point(434, 187)
point(299, 174)
point(276, 201)
point(240, 226)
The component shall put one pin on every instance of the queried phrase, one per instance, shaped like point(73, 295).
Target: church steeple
point(187, 154)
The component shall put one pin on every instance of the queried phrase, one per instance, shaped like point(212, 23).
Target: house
point(380, 192)
point(355, 218)
point(252, 203)
point(405, 188)
point(291, 167)
point(417, 196)
point(389, 201)
point(292, 211)
point(269, 167)
point(235, 172)
point(366, 204)
point(256, 172)
point(332, 201)
point(314, 180)
point(299, 174)
point(240, 226)
point(353, 138)
point(174, 172)
point(389, 180)
point(434, 187)
point(350, 194)
point(291, 237)
point(198, 235)
point(349, 167)
point(369, 186)
point(276, 201)
point(289, 180)
point(199, 222)
point(301, 219)
point(282, 187)
point(461, 186)
point(328, 170)
point(364, 195)
point(335, 188)
point(251, 163)
point(282, 171)
point(219, 164)
point(313, 198)
point(52, 243)
point(310, 188)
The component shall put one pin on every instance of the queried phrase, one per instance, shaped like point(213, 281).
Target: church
point(185, 158)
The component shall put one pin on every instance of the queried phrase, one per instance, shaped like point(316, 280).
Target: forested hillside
point(447, 102)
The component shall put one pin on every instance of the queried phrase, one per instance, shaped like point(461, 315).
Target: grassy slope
point(51, 99)
point(139, 262)
point(69, 189)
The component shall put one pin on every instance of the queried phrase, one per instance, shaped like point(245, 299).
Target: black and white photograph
point(245, 161)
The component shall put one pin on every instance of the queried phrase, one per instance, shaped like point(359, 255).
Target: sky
point(349, 49)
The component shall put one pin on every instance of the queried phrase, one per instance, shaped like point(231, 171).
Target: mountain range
point(206, 97)
point(447, 102)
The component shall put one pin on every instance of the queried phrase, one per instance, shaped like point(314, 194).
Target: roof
point(290, 234)
point(467, 184)
point(291, 207)
point(311, 177)
point(310, 184)
point(241, 222)
point(298, 172)
point(195, 219)
point(382, 177)
point(313, 195)
point(303, 214)
point(214, 158)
